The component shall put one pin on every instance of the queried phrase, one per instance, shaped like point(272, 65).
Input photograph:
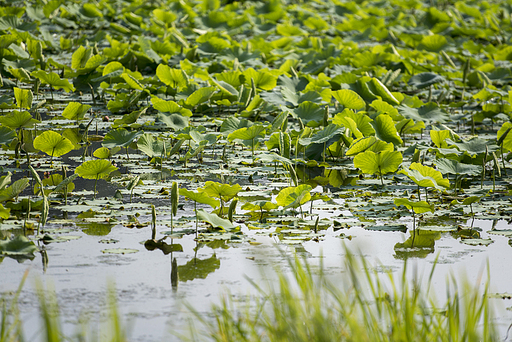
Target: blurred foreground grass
point(364, 306)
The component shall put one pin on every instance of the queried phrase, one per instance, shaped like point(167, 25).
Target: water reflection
point(420, 244)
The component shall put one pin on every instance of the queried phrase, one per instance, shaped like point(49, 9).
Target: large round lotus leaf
point(53, 144)
point(349, 99)
point(93, 169)
point(383, 162)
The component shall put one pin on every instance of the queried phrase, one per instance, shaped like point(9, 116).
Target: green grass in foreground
point(364, 306)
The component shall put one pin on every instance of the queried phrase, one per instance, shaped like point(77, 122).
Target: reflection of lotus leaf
point(95, 228)
point(419, 245)
point(19, 248)
point(198, 269)
point(164, 247)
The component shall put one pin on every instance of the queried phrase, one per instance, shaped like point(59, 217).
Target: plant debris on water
point(224, 122)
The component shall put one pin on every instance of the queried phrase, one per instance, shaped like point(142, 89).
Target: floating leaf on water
point(388, 228)
point(120, 251)
point(477, 242)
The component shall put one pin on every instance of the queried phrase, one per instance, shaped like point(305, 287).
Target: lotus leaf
point(385, 129)
point(23, 97)
point(378, 163)
point(215, 220)
point(75, 111)
point(294, 197)
point(16, 119)
point(120, 138)
point(53, 144)
point(426, 176)
point(349, 99)
point(95, 169)
point(418, 207)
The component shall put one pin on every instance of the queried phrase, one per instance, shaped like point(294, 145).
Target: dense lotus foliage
point(265, 114)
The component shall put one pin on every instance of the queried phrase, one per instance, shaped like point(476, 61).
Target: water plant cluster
point(227, 121)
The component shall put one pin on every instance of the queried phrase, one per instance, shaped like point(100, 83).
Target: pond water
point(154, 309)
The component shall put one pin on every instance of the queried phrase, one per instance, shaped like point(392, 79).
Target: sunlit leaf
point(293, 197)
point(419, 207)
point(53, 144)
point(349, 99)
point(378, 163)
point(95, 169)
point(75, 111)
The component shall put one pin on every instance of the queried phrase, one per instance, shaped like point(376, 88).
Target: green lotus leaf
point(383, 107)
point(112, 67)
point(120, 138)
point(23, 97)
point(75, 111)
point(426, 176)
point(428, 113)
point(425, 79)
point(152, 146)
point(439, 137)
point(259, 206)
point(175, 78)
point(368, 144)
point(262, 79)
point(20, 245)
point(351, 125)
point(381, 90)
point(504, 137)
point(7, 135)
point(247, 133)
point(385, 129)
point(310, 113)
point(14, 190)
point(232, 123)
point(468, 200)
point(80, 57)
point(224, 192)
point(53, 144)
point(16, 119)
point(326, 134)
point(174, 121)
point(294, 196)
point(4, 212)
point(169, 107)
point(473, 146)
point(132, 82)
point(215, 220)
point(130, 118)
point(456, 168)
point(433, 43)
point(199, 197)
point(200, 96)
point(95, 169)
point(378, 163)
point(349, 99)
point(53, 80)
point(103, 153)
point(419, 207)
point(361, 119)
